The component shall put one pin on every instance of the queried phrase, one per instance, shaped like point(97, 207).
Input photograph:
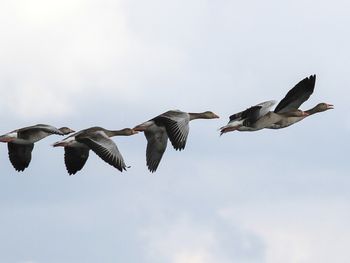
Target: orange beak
point(134, 132)
point(6, 139)
point(56, 144)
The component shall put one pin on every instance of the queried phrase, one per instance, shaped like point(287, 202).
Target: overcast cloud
point(268, 196)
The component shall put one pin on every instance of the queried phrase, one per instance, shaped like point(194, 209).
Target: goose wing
point(37, 132)
point(252, 114)
point(20, 155)
point(104, 147)
point(176, 124)
point(157, 140)
point(75, 158)
point(300, 93)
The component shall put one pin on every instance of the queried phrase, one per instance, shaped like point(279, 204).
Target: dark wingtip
point(124, 168)
point(152, 169)
point(313, 80)
point(313, 77)
point(178, 147)
point(20, 168)
point(72, 171)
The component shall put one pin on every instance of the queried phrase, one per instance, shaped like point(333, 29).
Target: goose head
point(66, 130)
point(209, 115)
point(323, 107)
point(127, 132)
point(203, 115)
point(143, 126)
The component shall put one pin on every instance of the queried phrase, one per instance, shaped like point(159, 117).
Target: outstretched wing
point(75, 158)
point(157, 139)
point(105, 148)
point(20, 155)
point(297, 95)
point(38, 132)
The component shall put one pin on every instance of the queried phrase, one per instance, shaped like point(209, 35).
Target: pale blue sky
point(268, 196)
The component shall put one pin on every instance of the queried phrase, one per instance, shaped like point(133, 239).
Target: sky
point(257, 197)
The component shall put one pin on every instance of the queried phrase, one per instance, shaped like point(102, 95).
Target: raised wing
point(176, 124)
point(297, 95)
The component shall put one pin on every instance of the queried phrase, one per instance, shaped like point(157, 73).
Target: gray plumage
point(173, 124)
point(97, 139)
point(21, 142)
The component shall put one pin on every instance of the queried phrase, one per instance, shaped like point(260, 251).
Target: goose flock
point(172, 125)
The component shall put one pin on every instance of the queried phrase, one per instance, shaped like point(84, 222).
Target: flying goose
point(20, 142)
point(173, 124)
point(293, 100)
point(258, 117)
point(97, 139)
point(288, 110)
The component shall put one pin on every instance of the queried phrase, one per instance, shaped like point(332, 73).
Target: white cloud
point(297, 231)
point(180, 242)
point(186, 240)
point(57, 56)
point(53, 51)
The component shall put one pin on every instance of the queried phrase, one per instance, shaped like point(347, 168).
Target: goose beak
point(330, 106)
point(56, 144)
point(6, 139)
point(143, 126)
point(139, 128)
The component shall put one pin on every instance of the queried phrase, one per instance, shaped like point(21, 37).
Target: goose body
point(20, 142)
point(244, 120)
point(172, 125)
point(97, 139)
point(271, 118)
